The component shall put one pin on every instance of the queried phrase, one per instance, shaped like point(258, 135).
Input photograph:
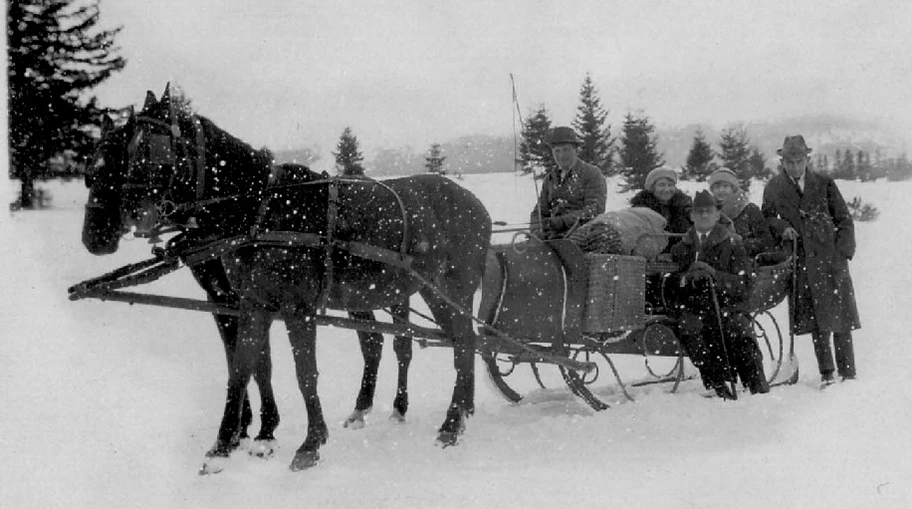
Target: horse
point(294, 250)
point(103, 228)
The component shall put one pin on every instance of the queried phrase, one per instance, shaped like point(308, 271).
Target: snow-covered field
point(108, 405)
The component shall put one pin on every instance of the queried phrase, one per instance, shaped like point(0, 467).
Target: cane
point(728, 368)
point(793, 312)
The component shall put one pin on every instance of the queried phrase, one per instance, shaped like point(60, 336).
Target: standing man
point(572, 194)
point(711, 296)
point(807, 207)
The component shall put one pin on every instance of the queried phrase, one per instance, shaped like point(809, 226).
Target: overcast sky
point(288, 73)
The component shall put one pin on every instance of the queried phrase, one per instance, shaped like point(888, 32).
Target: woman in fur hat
point(745, 217)
point(662, 195)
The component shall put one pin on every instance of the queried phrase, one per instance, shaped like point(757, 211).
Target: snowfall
point(110, 405)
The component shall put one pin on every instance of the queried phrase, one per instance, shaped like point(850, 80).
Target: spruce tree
point(56, 54)
point(595, 133)
point(534, 152)
point(434, 160)
point(700, 159)
point(639, 151)
point(735, 153)
point(348, 155)
point(757, 167)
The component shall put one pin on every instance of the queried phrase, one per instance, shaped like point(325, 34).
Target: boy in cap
point(807, 207)
point(572, 194)
point(713, 280)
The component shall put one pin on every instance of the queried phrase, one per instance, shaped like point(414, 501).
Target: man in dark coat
point(712, 283)
point(807, 207)
point(572, 194)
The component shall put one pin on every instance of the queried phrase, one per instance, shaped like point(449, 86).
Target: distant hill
point(824, 133)
point(491, 154)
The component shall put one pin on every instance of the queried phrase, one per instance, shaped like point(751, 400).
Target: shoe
point(847, 378)
point(724, 392)
point(826, 380)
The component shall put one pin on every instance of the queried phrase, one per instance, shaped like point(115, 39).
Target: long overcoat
point(825, 294)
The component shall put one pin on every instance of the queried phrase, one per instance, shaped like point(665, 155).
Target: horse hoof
point(446, 439)
point(213, 465)
point(397, 417)
point(262, 449)
point(304, 460)
point(356, 419)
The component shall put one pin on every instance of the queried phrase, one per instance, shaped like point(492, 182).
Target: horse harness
point(163, 152)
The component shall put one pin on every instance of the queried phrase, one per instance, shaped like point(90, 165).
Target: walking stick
point(728, 368)
point(793, 309)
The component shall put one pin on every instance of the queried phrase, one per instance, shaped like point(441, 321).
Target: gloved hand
point(700, 271)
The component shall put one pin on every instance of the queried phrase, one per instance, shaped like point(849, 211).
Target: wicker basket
point(616, 299)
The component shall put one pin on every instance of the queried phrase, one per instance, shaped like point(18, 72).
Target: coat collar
point(717, 235)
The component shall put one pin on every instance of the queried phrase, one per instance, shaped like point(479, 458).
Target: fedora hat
point(561, 135)
point(794, 146)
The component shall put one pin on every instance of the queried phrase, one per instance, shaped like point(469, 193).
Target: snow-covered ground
point(110, 405)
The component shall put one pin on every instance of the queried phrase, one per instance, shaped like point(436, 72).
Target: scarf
point(734, 205)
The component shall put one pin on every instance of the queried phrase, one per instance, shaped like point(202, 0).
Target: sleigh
point(593, 308)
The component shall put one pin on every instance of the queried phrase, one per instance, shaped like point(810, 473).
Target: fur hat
point(704, 200)
point(794, 146)
point(563, 135)
point(666, 172)
point(724, 175)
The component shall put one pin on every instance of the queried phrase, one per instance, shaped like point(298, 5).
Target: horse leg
point(403, 347)
point(211, 277)
point(371, 350)
point(459, 328)
point(264, 443)
point(253, 328)
point(302, 333)
point(228, 330)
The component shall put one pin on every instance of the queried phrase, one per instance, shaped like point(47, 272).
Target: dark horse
point(102, 229)
point(291, 250)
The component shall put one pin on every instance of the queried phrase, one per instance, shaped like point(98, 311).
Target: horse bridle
point(185, 156)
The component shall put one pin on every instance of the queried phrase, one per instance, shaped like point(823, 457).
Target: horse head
point(103, 224)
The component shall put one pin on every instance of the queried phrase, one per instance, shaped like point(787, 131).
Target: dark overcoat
point(825, 294)
point(573, 200)
point(724, 252)
point(753, 229)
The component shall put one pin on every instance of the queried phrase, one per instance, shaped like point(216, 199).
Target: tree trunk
point(27, 192)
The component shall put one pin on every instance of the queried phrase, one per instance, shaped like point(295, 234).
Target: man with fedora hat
point(573, 193)
point(807, 208)
point(710, 293)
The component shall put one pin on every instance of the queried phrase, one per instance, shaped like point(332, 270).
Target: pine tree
point(55, 55)
point(700, 159)
point(534, 153)
point(757, 167)
point(735, 153)
point(348, 155)
point(639, 151)
point(434, 160)
point(595, 133)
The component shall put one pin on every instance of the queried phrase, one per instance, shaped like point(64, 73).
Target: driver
point(572, 194)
